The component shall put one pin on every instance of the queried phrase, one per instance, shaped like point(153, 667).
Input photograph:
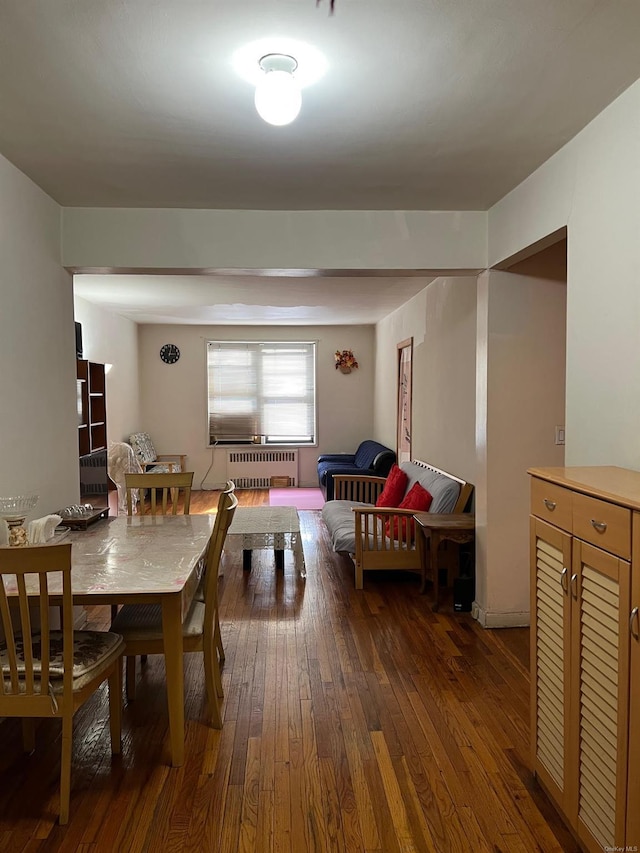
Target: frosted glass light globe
point(278, 98)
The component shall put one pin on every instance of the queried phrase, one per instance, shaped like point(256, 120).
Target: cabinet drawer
point(551, 503)
point(603, 524)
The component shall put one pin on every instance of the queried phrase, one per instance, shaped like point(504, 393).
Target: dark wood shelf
point(92, 434)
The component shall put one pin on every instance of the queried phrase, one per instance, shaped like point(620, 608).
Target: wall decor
point(345, 361)
point(405, 353)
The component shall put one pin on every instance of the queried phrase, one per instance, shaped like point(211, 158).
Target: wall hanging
point(405, 353)
point(345, 361)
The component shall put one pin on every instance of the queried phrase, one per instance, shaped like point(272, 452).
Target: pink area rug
point(299, 498)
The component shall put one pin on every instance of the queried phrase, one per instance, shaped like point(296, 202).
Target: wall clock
point(169, 353)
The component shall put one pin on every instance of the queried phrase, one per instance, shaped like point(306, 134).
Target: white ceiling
point(250, 300)
point(426, 104)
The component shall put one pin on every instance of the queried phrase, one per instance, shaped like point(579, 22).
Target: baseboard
point(495, 619)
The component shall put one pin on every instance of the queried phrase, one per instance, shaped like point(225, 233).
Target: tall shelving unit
point(92, 432)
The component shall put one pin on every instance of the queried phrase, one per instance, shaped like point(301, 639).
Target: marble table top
point(140, 554)
point(265, 519)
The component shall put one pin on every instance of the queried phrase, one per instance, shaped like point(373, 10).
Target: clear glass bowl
point(17, 507)
point(14, 511)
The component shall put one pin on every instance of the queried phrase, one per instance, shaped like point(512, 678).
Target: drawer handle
point(574, 586)
point(550, 505)
point(564, 582)
point(634, 618)
point(600, 526)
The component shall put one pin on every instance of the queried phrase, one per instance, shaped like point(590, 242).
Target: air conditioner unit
point(233, 429)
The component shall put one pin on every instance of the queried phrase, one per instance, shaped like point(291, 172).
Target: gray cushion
point(138, 622)
point(143, 447)
point(444, 490)
point(341, 523)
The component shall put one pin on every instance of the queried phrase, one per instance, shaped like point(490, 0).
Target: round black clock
point(169, 353)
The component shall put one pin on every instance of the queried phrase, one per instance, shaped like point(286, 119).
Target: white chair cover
point(122, 460)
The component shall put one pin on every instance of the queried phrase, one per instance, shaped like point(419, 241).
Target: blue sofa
point(370, 459)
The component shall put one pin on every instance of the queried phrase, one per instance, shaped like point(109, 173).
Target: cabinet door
point(600, 593)
point(550, 660)
point(633, 785)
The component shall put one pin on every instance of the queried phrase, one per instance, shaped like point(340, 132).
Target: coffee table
point(276, 527)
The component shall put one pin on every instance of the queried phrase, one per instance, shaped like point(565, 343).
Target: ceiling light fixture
point(276, 63)
point(278, 98)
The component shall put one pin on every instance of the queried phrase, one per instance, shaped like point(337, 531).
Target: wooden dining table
point(145, 560)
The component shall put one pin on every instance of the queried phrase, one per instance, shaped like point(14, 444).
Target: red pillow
point(394, 488)
point(417, 498)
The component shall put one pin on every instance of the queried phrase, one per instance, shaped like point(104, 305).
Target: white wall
point(38, 421)
point(274, 239)
point(520, 401)
point(442, 322)
point(174, 397)
point(111, 339)
point(593, 187)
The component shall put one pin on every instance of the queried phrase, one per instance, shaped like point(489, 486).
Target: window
point(261, 392)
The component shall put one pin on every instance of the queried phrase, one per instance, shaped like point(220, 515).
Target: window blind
point(261, 392)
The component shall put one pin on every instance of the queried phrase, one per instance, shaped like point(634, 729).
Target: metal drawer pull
point(564, 583)
point(550, 505)
point(574, 586)
point(634, 618)
point(600, 526)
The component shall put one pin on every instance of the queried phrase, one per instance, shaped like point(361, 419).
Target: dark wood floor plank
point(353, 721)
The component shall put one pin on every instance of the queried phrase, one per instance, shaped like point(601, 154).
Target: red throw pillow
point(394, 487)
point(417, 498)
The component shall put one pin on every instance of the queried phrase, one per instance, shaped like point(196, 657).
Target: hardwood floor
point(353, 721)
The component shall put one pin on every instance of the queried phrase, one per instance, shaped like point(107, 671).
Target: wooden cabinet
point(92, 432)
point(585, 649)
point(633, 770)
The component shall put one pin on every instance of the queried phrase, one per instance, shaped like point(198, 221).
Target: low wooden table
point(438, 527)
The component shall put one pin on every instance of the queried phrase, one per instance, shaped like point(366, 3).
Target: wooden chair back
point(24, 686)
point(226, 510)
point(163, 485)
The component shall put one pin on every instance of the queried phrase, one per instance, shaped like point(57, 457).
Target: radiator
point(254, 468)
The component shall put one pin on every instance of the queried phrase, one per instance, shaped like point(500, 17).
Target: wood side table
point(436, 528)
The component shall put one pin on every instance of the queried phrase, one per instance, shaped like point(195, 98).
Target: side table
point(436, 528)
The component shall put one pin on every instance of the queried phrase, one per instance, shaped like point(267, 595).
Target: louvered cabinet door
point(550, 660)
point(633, 785)
point(600, 596)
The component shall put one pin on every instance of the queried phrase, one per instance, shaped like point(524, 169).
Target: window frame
point(261, 398)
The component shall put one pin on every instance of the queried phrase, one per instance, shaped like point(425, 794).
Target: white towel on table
point(40, 530)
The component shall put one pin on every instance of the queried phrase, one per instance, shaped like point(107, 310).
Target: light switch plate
point(560, 435)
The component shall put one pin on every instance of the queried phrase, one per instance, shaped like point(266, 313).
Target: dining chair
point(141, 624)
point(45, 673)
point(228, 490)
point(159, 487)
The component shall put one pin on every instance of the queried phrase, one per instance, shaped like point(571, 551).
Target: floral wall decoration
point(345, 361)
